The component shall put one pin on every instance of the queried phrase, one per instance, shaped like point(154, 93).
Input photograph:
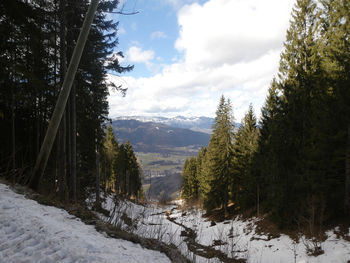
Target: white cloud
point(137, 55)
point(223, 31)
point(158, 35)
point(228, 47)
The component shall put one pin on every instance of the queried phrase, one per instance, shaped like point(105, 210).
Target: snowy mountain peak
point(202, 123)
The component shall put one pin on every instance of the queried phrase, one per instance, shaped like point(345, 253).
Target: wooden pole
point(51, 132)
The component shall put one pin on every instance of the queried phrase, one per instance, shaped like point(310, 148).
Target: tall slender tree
point(244, 183)
point(219, 157)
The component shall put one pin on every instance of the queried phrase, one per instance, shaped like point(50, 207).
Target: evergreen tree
point(200, 171)
point(244, 183)
point(298, 83)
point(334, 127)
point(133, 179)
point(31, 63)
point(185, 181)
point(266, 159)
point(110, 157)
point(219, 158)
point(190, 179)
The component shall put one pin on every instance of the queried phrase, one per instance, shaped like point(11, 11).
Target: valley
point(162, 149)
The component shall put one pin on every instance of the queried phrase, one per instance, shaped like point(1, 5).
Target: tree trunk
point(73, 145)
point(347, 174)
point(126, 183)
point(225, 201)
point(97, 204)
point(38, 120)
point(13, 113)
point(62, 152)
point(51, 132)
point(69, 147)
point(257, 200)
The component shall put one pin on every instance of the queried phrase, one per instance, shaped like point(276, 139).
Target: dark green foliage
point(301, 156)
point(133, 172)
point(190, 179)
point(31, 77)
point(296, 165)
point(218, 159)
point(120, 169)
point(244, 182)
point(110, 160)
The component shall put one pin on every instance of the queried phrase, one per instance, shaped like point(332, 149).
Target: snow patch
point(30, 232)
point(236, 238)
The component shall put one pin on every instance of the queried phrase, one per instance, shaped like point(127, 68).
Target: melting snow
point(30, 232)
point(238, 238)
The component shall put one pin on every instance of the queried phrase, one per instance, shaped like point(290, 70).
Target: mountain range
point(162, 145)
point(202, 124)
point(155, 137)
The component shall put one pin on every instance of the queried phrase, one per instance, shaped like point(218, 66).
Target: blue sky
point(154, 28)
point(188, 53)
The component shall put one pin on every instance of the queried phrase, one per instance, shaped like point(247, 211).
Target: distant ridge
point(153, 137)
point(202, 124)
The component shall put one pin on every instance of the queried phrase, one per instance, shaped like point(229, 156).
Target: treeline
point(37, 39)
point(294, 164)
point(121, 173)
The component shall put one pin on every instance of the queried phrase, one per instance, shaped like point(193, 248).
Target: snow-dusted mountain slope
point(30, 232)
point(202, 124)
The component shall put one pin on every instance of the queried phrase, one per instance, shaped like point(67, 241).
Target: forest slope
point(153, 137)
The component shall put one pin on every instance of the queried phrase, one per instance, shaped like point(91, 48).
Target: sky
point(187, 53)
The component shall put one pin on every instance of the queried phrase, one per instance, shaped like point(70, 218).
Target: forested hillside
point(37, 42)
point(294, 164)
point(152, 137)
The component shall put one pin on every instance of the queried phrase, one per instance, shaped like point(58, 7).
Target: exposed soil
point(199, 249)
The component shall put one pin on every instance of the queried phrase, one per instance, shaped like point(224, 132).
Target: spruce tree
point(298, 81)
point(244, 183)
point(190, 179)
point(335, 126)
point(219, 158)
point(200, 171)
point(133, 180)
point(266, 159)
point(110, 158)
point(30, 82)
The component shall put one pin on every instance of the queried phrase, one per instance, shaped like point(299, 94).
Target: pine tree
point(298, 82)
point(244, 183)
point(133, 179)
point(30, 83)
point(110, 157)
point(200, 171)
point(190, 179)
point(266, 159)
point(219, 158)
point(335, 136)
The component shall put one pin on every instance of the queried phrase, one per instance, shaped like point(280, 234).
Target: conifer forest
point(284, 169)
point(37, 42)
point(292, 164)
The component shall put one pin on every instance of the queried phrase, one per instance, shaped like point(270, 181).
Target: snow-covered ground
point(236, 238)
point(30, 232)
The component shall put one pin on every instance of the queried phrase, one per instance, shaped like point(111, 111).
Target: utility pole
point(51, 132)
